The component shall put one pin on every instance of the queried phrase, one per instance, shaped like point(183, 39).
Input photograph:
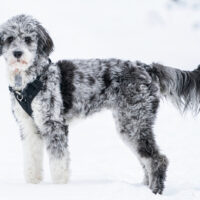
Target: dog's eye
point(10, 39)
point(28, 40)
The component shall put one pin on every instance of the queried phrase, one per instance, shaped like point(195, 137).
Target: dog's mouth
point(23, 62)
point(18, 65)
point(19, 61)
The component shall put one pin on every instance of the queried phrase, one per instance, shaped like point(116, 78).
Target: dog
point(47, 96)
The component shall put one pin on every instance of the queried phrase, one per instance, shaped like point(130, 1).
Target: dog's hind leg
point(137, 133)
point(146, 175)
point(135, 112)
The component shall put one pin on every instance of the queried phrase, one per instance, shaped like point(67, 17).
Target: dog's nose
point(17, 54)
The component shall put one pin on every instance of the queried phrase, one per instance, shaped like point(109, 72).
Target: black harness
point(26, 96)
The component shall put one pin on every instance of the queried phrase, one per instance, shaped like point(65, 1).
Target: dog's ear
point(45, 43)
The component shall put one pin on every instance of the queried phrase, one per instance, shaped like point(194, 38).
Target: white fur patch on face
point(19, 64)
point(16, 67)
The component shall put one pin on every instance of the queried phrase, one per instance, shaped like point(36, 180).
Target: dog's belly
point(84, 106)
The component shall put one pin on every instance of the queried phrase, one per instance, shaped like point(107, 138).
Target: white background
point(102, 167)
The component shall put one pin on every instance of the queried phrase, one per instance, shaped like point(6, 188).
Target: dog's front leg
point(56, 139)
point(58, 152)
point(33, 151)
point(49, 118)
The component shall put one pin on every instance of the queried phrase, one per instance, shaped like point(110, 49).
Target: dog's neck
point(35, 70)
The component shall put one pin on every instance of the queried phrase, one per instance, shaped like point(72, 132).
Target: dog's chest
point(18, 111)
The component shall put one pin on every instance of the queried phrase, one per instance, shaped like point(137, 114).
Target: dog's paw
point(60, 178)
point(157, 186)
point(158, 174)
point(59, 170)
point(33, 177)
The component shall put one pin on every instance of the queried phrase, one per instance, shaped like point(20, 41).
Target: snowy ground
point(102, 167)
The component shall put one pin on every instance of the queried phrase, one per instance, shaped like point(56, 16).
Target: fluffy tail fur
point(183, 87)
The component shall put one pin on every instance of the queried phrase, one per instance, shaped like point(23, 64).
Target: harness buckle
point(19, 96)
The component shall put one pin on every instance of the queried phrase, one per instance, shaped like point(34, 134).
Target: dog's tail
point(182, 87)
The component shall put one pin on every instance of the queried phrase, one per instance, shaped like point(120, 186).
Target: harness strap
point(26, 96)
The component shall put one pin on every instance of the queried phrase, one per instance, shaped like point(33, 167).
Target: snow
point(102, 166)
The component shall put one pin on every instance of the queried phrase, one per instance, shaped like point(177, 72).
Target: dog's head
point(22, 40)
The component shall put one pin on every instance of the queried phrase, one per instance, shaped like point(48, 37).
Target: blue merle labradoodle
point(47, 96)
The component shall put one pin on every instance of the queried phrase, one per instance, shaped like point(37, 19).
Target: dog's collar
point(26, 96)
